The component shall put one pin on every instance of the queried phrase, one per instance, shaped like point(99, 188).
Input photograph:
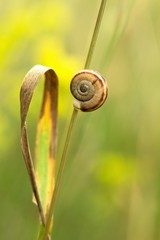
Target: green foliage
point(110, 188)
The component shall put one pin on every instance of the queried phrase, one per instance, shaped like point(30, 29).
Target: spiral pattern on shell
point(89, 90)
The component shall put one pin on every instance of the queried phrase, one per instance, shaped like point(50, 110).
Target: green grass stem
point(72, 123)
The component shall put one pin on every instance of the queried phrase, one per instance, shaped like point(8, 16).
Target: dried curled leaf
point(42, 176)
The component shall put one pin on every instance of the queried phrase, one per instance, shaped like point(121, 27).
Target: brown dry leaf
point(42, 176)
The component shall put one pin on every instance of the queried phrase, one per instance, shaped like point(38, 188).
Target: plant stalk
point(95, 34)
point(59, 175)
point(72, 123)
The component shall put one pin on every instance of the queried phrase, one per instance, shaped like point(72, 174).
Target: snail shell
point(89, 90)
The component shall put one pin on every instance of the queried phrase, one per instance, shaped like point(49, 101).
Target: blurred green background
point(110, 188)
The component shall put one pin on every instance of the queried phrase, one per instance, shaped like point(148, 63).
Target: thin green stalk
point(59, 175)
point(95, 34)
point(72, 123)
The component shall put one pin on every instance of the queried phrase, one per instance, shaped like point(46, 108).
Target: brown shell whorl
point(89, 90)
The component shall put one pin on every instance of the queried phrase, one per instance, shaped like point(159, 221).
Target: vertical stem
point(95, 33)
point(72, 122)
point(59, 176)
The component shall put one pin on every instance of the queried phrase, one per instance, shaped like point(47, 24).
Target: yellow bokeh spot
point(115, 170)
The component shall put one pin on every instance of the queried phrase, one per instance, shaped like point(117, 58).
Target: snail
point(89, 90)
